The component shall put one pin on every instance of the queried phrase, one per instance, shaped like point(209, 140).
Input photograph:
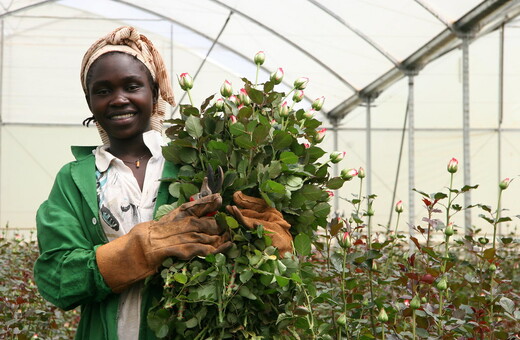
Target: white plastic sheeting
point(346, 48)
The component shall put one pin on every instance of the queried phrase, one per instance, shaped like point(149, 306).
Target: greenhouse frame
point(409, 84)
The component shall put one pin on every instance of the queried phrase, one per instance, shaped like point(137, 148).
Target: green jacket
point(69, 231)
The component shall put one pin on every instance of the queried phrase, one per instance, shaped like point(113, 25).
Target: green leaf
point(194, 127)
point(311, 192)
point(335, 183)
point(489, 253)
point(188, 190)
point(273, 187)
point(302, 244)
point(181, 278)
point(314, 153)
point(351, 283)
point(288, 157)
point(507, 304)
point(186, 171)
point(187, 155)
point(274, 169)
point(468, 187)
point(268, 86)
point(245, 112)
point(175, 189)
point(191, 323)
point(256, 96)
point(260, 133)
point(292, 183)
point(246, 275)
point(439, 195)
point(164, 209)
point(245, 292)
point(237, 129)
point(321, 209)
point(282, 140)
point(216, 145)
point(282, 281)
point(244, 141)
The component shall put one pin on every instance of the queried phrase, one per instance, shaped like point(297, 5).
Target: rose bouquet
point(269, 149)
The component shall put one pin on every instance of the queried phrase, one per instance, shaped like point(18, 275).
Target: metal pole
point(2, 38)
point(465, 132)
point(368, 170)
point(500, 108)
point(336, 171)
point(171, 63)
point(411, 153)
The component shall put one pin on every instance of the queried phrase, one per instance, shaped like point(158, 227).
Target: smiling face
point(121, 95)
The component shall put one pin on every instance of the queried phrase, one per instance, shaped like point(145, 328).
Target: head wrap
point(126, 39)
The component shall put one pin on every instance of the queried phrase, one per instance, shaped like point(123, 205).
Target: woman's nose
point(119, 99)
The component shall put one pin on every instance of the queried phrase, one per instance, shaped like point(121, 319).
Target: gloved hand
point(185, 232)
point(254, 212)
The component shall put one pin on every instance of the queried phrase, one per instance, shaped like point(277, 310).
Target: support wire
point(205, 58)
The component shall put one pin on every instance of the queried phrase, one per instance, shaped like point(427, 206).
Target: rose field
point(344, 279)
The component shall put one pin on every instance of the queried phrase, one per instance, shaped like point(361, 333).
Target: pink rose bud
point(226, 90)
point(318, 103)
point(243, 98)
point(331, 194)
point(337, 156)
point(348, 174)
point(298, 96)
point(233, 99)
point(277, 76)
point(232, 119)
point(453, 166)
point(320, 135)
point(301, 83)
point(185, 81)
point(399, 207)
point(361, 173)
point(219, 104)
point(306, 145)
point(344, 240)
point(504, 184)
point(259, 58)
point(309, 114)
point(284, 110)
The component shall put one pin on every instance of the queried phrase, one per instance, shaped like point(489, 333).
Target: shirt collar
point(152, 139)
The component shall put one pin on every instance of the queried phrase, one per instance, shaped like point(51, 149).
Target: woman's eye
point(101, 92)
point(133, 87)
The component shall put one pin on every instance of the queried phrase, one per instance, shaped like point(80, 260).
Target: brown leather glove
point(184, 232)
point(254, 212)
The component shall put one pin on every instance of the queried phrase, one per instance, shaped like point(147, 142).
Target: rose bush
point(343, 279)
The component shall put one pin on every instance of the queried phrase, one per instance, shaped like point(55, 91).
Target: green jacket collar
point(84, 170)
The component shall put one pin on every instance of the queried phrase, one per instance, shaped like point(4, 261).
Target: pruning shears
point(211, 184)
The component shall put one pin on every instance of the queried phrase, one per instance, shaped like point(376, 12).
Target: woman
point(97, 237)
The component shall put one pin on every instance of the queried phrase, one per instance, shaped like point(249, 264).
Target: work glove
point(252, 212)
point(184, 233)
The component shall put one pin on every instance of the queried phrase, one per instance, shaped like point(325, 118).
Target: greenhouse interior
point(408, 86)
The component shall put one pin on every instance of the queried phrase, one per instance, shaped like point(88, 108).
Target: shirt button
point(94, 220)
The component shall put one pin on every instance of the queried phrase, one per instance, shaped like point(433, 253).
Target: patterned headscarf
point(127, 40)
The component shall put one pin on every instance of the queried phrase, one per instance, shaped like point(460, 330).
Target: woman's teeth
point(122, 116)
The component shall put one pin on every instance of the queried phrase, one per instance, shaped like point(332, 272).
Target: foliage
point(267, 150)
point(24, 314)
point(343, 281)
